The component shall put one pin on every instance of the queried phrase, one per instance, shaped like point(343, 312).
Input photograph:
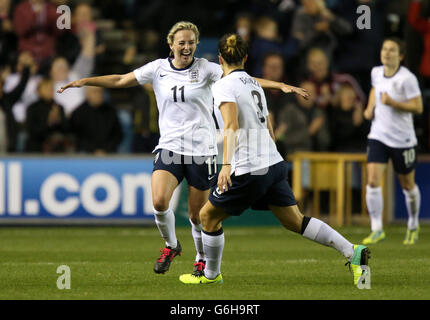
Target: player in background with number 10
point(394, 98)
point(187, 146)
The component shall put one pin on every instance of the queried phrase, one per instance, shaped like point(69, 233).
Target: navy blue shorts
point(199, 171)
point(255, 191)
point(404, 159)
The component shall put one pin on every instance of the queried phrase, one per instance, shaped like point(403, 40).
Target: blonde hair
point(182, 25)
point(231, 44)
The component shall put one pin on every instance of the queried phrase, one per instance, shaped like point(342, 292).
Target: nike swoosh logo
point(210, 178)
point(163, 75)
point(215, 194)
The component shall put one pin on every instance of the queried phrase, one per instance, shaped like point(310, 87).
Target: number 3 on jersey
point(257, 99)
point(182, 89)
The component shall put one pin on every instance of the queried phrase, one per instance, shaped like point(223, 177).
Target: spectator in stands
point(348, 130)
point(315, 25)
point(9, 127)
point(95, 124)
point(273, 69)
point(303, 126)
point(145, 120)
point(267, 39)
point(35, 23)
point(360, 43)
point(8, 39)
point(69, 43)
point(326, 82)
point(45, 122)
point(17, 110)
point(422, 25)
point(83, 67)
point(243, 26)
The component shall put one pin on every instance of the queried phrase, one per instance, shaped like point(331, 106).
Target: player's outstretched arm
point(269, 84)
point(111, 81)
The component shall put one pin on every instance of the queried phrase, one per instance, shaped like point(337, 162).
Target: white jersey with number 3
point(391, 126)
point(185, 104)
point(255, 147)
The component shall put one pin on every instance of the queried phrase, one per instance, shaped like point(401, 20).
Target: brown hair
point(232, 48)
point(400, 44)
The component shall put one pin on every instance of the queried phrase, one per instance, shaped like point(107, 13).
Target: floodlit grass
point(259, 263)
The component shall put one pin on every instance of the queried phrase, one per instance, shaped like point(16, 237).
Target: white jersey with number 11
point(185, 104)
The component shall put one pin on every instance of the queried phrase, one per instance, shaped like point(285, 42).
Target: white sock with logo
point(321, 232)
point(196, 230)
point(413, 203)
point(213, 245)
point(165, 221)
point(375, 204)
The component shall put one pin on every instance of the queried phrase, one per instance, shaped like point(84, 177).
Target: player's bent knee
point(160, 203)
point(204, 218)
point(195, 219)
point(373, 184)
point(407, 185)
point(209, 224)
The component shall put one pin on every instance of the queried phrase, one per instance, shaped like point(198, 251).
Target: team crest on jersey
point(396, 86)
point(194, 75)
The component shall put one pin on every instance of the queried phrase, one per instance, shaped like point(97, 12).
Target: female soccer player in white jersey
point(394, 98)
point(254, 174)
point(187, 146)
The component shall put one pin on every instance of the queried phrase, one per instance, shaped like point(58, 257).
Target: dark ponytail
point(232, 48)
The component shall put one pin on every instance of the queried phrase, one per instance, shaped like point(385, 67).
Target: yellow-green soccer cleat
point(374, 237)
point(359, 267)
point(411, 236)
point(192, 279)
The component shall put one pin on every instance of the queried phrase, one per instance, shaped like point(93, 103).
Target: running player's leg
point(375, 201)
point(318, 231)
point(314, 229)
point(213, 238)
point(213, 245)
point(196, 200)
point(413, 203)
point(163, 184)
point(377, 160)
point(200, 172)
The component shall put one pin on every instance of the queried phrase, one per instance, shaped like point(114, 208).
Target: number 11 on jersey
point(182, 89)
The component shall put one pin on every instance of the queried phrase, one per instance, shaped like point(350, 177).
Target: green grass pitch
point(259, 263)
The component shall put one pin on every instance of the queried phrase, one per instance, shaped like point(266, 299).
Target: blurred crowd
point(314, 44)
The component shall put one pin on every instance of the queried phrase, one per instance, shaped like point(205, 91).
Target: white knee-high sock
point(320, 232)
point(213, 245)
point(196, 230)
point(375, 204)
point(413, 203)
point(165, 221)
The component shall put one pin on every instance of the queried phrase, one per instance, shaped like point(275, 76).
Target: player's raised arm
point(110, 81)
point(269, 84)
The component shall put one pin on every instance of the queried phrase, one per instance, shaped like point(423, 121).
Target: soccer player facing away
point(394, 98)
point(254, 174)
point(187, 146)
